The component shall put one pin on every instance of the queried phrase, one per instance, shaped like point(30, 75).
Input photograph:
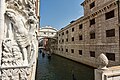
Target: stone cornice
point(96, 12)
point(86, 2)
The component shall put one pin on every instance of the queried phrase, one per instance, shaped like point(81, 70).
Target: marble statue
point(103, 61)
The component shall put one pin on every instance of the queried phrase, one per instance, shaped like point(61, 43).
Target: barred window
point(110, 33)
point(109, 15)
point(72, 29)
point(80, 37)
point(92, 21)
point(80, 52)
point(63, 33)
point(111, 56)
point(67, 32)
point(66, 50)
point(92, 5)
point(92, 53)
point(62, 40)
point(92, 35)
point(72, 50)
point(80, 26)
point(67, 40)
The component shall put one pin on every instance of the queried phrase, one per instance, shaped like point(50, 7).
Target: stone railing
point(104, 73)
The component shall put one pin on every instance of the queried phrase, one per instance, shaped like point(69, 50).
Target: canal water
point(59, 68)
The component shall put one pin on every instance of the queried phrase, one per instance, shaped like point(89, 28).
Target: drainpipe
point(118, 5)
point(2, 11)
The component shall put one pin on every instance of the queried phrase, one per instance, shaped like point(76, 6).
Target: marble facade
point(18, 39)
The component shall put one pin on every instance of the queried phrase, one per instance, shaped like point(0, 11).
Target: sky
point(59, 13)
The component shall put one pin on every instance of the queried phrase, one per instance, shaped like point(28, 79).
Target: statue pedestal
point(112, 73)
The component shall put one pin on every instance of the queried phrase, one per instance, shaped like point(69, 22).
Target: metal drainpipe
point(118, 5)
point(2, 11)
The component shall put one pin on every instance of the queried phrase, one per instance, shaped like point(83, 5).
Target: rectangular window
point(80, 37)
point(44, 32)
point(67, 32)
point(72, 50)
point(59, 34)
point(92, 53)
point(109, 15)
point(72, 38)
point(67, 40)
point(66, 50)
point(92, 35)
point(72, 29)
point(62, 49)
point(111, 56)
point(92, 5)
point(52, 33)
point(110, 33)
point(63, 33)
point(92, 21)
point(62, 40)
point(80, 52)
point(80, 26)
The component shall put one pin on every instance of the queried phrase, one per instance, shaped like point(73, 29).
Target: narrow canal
point(59, 68)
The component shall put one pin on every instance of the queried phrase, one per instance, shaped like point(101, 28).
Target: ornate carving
point(20, 42)
point(103, 61)
point(15, 74)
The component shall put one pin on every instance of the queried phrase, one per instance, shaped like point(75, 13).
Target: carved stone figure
point(103, 61)
point(19, 46)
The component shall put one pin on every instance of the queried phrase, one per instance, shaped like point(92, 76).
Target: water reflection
point(58, 68)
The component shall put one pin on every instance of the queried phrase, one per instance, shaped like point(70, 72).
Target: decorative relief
point(15, 74)
point(19, 50)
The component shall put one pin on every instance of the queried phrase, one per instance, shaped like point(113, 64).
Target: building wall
point(101, 43)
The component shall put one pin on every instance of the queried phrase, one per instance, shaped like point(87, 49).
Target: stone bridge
point(45, 34)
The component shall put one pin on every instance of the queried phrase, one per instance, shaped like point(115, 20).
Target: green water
point(59, 68)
